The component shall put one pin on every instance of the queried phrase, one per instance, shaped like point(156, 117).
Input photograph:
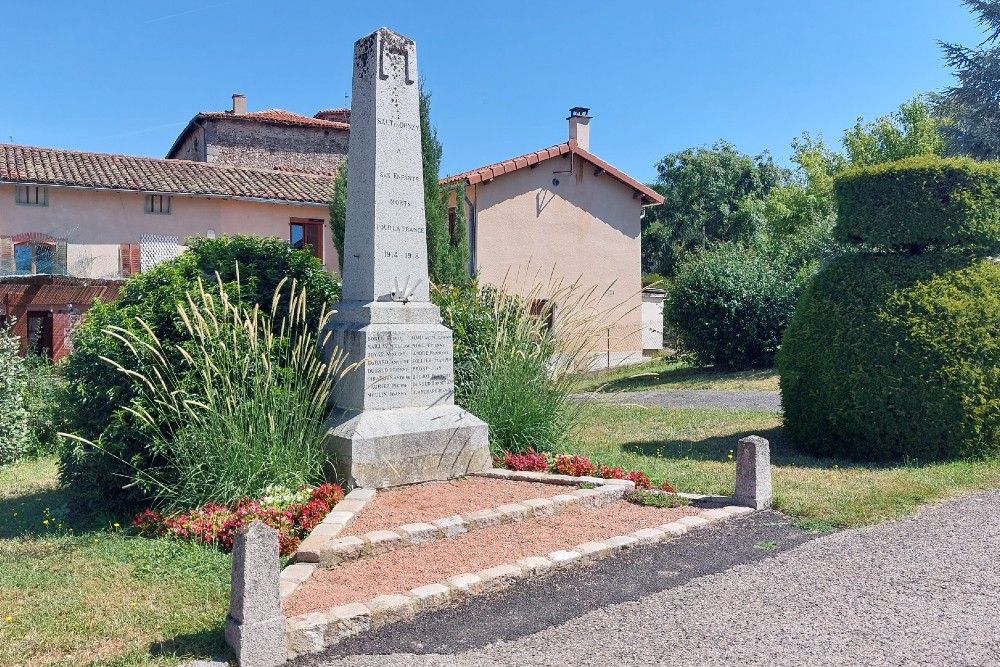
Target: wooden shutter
point(129, 259)
point(6, 255)
point(60, 261)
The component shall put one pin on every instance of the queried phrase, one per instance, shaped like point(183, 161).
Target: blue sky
point(659, 76)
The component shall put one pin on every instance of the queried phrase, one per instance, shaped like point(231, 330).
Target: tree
point(909, 132)
point(806, 200)
point(711, 194)
point(338, 211)
point(973, 107)
point(447, 250)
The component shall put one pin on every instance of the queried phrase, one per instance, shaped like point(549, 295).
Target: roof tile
point(649, 196)
point(52, 166)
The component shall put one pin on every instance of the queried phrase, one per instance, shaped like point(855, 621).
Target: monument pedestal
point(383, 448)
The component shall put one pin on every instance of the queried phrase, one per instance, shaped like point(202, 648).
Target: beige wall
point(583, 230)
point(94, 222)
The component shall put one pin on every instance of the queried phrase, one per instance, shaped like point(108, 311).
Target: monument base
point(384, 448)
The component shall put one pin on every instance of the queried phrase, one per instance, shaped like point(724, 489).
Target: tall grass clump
point(244, 407)
point(515, 356)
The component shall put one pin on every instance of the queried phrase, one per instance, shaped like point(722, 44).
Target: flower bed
point(575, 465)
point(292, 514)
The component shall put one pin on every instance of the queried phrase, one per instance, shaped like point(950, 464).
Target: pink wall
point(96, 221)
point(583, 230)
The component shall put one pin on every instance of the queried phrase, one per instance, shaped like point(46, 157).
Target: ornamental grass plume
point(244, 409)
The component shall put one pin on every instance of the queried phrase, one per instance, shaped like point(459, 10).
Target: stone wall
point(265, 146)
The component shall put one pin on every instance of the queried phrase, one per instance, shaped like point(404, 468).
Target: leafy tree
point(711, 194)
point(909, 132)
point(338, 212)
point(973, 106)
point(807, 199)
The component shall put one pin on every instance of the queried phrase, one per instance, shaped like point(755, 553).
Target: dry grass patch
point(668, 373)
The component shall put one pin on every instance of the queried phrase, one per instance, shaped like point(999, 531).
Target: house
point(91, 219)
point(270, 139)
point(563, 215)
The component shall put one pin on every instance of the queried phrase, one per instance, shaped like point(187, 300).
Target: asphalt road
point(919, 591)
point(769, 401)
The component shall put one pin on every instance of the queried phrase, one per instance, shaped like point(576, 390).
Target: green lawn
point(670, 373)
point(692, 448)
point(90, 595)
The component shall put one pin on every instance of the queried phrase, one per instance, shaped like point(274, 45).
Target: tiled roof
point(276, 117)
point(489, 172)
point(52, 166)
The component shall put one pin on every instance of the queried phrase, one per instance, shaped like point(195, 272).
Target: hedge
point(919, 202)
point(729, 305)
point(893, 357)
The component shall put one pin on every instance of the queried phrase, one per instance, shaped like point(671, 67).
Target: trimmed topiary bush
point(730, 305)
point(919, 202)
point(891, 357)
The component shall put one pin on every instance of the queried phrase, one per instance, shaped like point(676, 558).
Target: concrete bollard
point(255, 626)
point(753, 473)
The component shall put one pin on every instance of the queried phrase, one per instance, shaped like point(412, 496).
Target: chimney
point(239, 104)
point(579, 126)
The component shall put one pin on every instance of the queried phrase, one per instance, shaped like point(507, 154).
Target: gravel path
point(693, 398)
point(920, 591)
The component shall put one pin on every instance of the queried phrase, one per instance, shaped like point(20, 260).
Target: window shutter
point(6, 255)
point(61, 262)
point(129, 259)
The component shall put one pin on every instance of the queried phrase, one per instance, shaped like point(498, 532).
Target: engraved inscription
point(401, 124)
point(400, 202)
point(431, 370)
point(396, 176)
point(388, 366)
point(399, 228)
point(411, 365)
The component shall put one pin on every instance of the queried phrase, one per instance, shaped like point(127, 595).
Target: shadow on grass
point(204, 644)
point(24, 516)
point(681, 376)
point(718, 448)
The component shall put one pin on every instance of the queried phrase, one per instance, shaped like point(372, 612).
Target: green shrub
point(241, 411)
point(44, 398)
point(504, 370)
point(891, 357)
point(15, 429)
point(654, 280)
point(920, 202)
point(97, 478)
point(729, 305)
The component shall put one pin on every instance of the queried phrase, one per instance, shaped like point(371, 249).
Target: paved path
point(693, 398)
point(920, 591)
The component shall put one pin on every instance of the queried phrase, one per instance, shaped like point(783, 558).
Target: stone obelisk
point(395, 420)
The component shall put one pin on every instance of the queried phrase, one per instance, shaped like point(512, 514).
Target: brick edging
point(313, 632)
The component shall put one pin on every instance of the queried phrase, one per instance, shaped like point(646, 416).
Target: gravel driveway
point(920, 591)
point(693, 398)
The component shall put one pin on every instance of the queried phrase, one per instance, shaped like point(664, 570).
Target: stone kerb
point(324, 548)
point(313, 632)
point(255, 627)
point(753, 473)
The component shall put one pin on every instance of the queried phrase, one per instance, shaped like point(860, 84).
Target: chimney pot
point(579, 126)
point(239, 104)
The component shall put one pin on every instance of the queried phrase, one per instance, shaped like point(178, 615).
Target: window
point(305, 232)
point(159, 204)
point(32, 195)
point(542, 309)
point(33, 258)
